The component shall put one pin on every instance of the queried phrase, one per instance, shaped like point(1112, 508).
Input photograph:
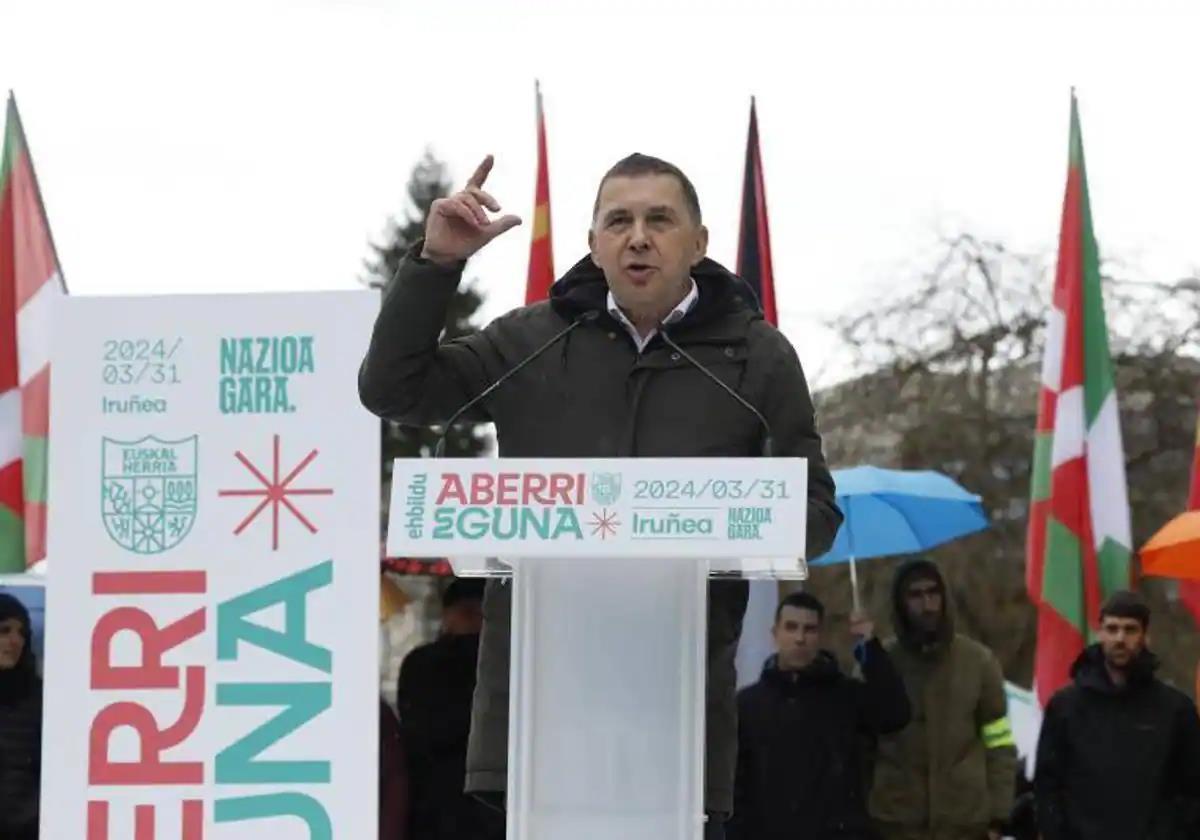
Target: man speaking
point(618, 363)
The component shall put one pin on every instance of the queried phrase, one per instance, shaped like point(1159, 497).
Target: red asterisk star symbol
point(605, 524)
point(275, 493)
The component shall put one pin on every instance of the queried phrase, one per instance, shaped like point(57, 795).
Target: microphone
point(768, 444)
point(440, 448)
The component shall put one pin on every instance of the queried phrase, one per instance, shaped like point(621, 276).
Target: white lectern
point(609, 562)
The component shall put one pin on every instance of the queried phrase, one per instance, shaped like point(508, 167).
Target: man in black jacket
point(1119, 753)
point(433, 696)
point(801, 730)
point(610, 387)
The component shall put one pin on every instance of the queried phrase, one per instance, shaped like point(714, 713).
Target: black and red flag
point(754, 234)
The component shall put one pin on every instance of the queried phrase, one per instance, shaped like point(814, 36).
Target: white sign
point(213, 570)
point(660, 507)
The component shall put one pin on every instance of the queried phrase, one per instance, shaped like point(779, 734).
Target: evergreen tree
point(427, 183)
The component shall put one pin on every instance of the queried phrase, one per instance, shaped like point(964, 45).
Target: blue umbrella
point(898, 512)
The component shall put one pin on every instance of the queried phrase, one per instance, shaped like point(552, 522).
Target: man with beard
point(949, 774)
point(800, 731)
point(1119, 753)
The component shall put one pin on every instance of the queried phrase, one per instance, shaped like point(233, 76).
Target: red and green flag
point(541, 251)
point(1079, 539)
point(754, 232)
point(30, 279)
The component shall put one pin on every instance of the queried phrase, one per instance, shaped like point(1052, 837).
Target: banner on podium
point(213, 574)
point(553, 507)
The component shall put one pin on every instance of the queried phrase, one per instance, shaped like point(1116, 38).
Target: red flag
point(1189, 590)
point(541, 252)
point(754, 234)
point(30, 279)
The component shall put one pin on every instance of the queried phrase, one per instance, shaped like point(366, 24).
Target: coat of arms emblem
point(606, 487)
point(148, 492)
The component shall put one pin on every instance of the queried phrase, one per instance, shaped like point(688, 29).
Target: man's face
point(463, 618)
point(12, 642)
point(797, 636)
point(923, 600)
point(1121, 639)
point(645, 241)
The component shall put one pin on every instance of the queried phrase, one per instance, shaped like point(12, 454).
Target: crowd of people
point(915, 745)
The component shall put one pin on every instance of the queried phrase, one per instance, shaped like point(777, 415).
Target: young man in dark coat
point(20, 724)
point(611, 387)
point(1119, 752)
point(801, 730)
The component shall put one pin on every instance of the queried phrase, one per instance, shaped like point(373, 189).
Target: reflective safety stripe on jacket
point(997, 734)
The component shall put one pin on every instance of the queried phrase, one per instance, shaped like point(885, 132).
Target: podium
point(609, 562)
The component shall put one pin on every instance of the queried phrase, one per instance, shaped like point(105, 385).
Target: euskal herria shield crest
point(606, 487)
point(148, 492)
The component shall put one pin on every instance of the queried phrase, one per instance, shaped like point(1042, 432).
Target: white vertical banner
point(213, 570)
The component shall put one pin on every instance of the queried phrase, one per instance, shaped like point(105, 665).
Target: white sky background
point(257, 145)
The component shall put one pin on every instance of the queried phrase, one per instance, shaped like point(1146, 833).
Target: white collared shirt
point(676, 314)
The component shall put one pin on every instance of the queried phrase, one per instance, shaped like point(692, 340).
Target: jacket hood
point(583, 289)
point(823, 669)
point(1089, 672)
point(912, 637)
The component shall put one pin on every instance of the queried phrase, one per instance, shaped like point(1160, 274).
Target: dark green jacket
point(952, 770)
point(593, 395)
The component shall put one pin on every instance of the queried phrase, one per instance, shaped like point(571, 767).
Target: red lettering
point(149, 583)
point(482, 489)
point(535, 484)
point(560, 487)
point(452, 488)
point(151, 673)
point(149, 769)
point(143, 820)
point(507, 489)
point(580, 493)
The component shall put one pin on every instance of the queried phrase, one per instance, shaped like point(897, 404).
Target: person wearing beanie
point(20, 723)
point(1119, 752)
point(949, 774)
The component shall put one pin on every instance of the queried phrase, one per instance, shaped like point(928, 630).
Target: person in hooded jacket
point(607, 385)
point(801, 728)
point(1119, 752)
point(20, 723)
point(949, 774)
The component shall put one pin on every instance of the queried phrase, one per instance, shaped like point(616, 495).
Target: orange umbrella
point(1175, 550)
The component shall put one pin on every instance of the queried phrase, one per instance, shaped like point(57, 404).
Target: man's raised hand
point(458, 225)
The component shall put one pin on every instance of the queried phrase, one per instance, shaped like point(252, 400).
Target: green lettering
point(292, 592)
point(228, 386)
point(228, 355)
point(280, 403)
point(306, 355)
point(277, 805)
point(302, 702)
point(568, 523)
point(443, 524)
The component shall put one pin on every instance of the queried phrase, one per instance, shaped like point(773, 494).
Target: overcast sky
point(260, 144)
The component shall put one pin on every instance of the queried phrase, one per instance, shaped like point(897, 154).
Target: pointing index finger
point(481, 172)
